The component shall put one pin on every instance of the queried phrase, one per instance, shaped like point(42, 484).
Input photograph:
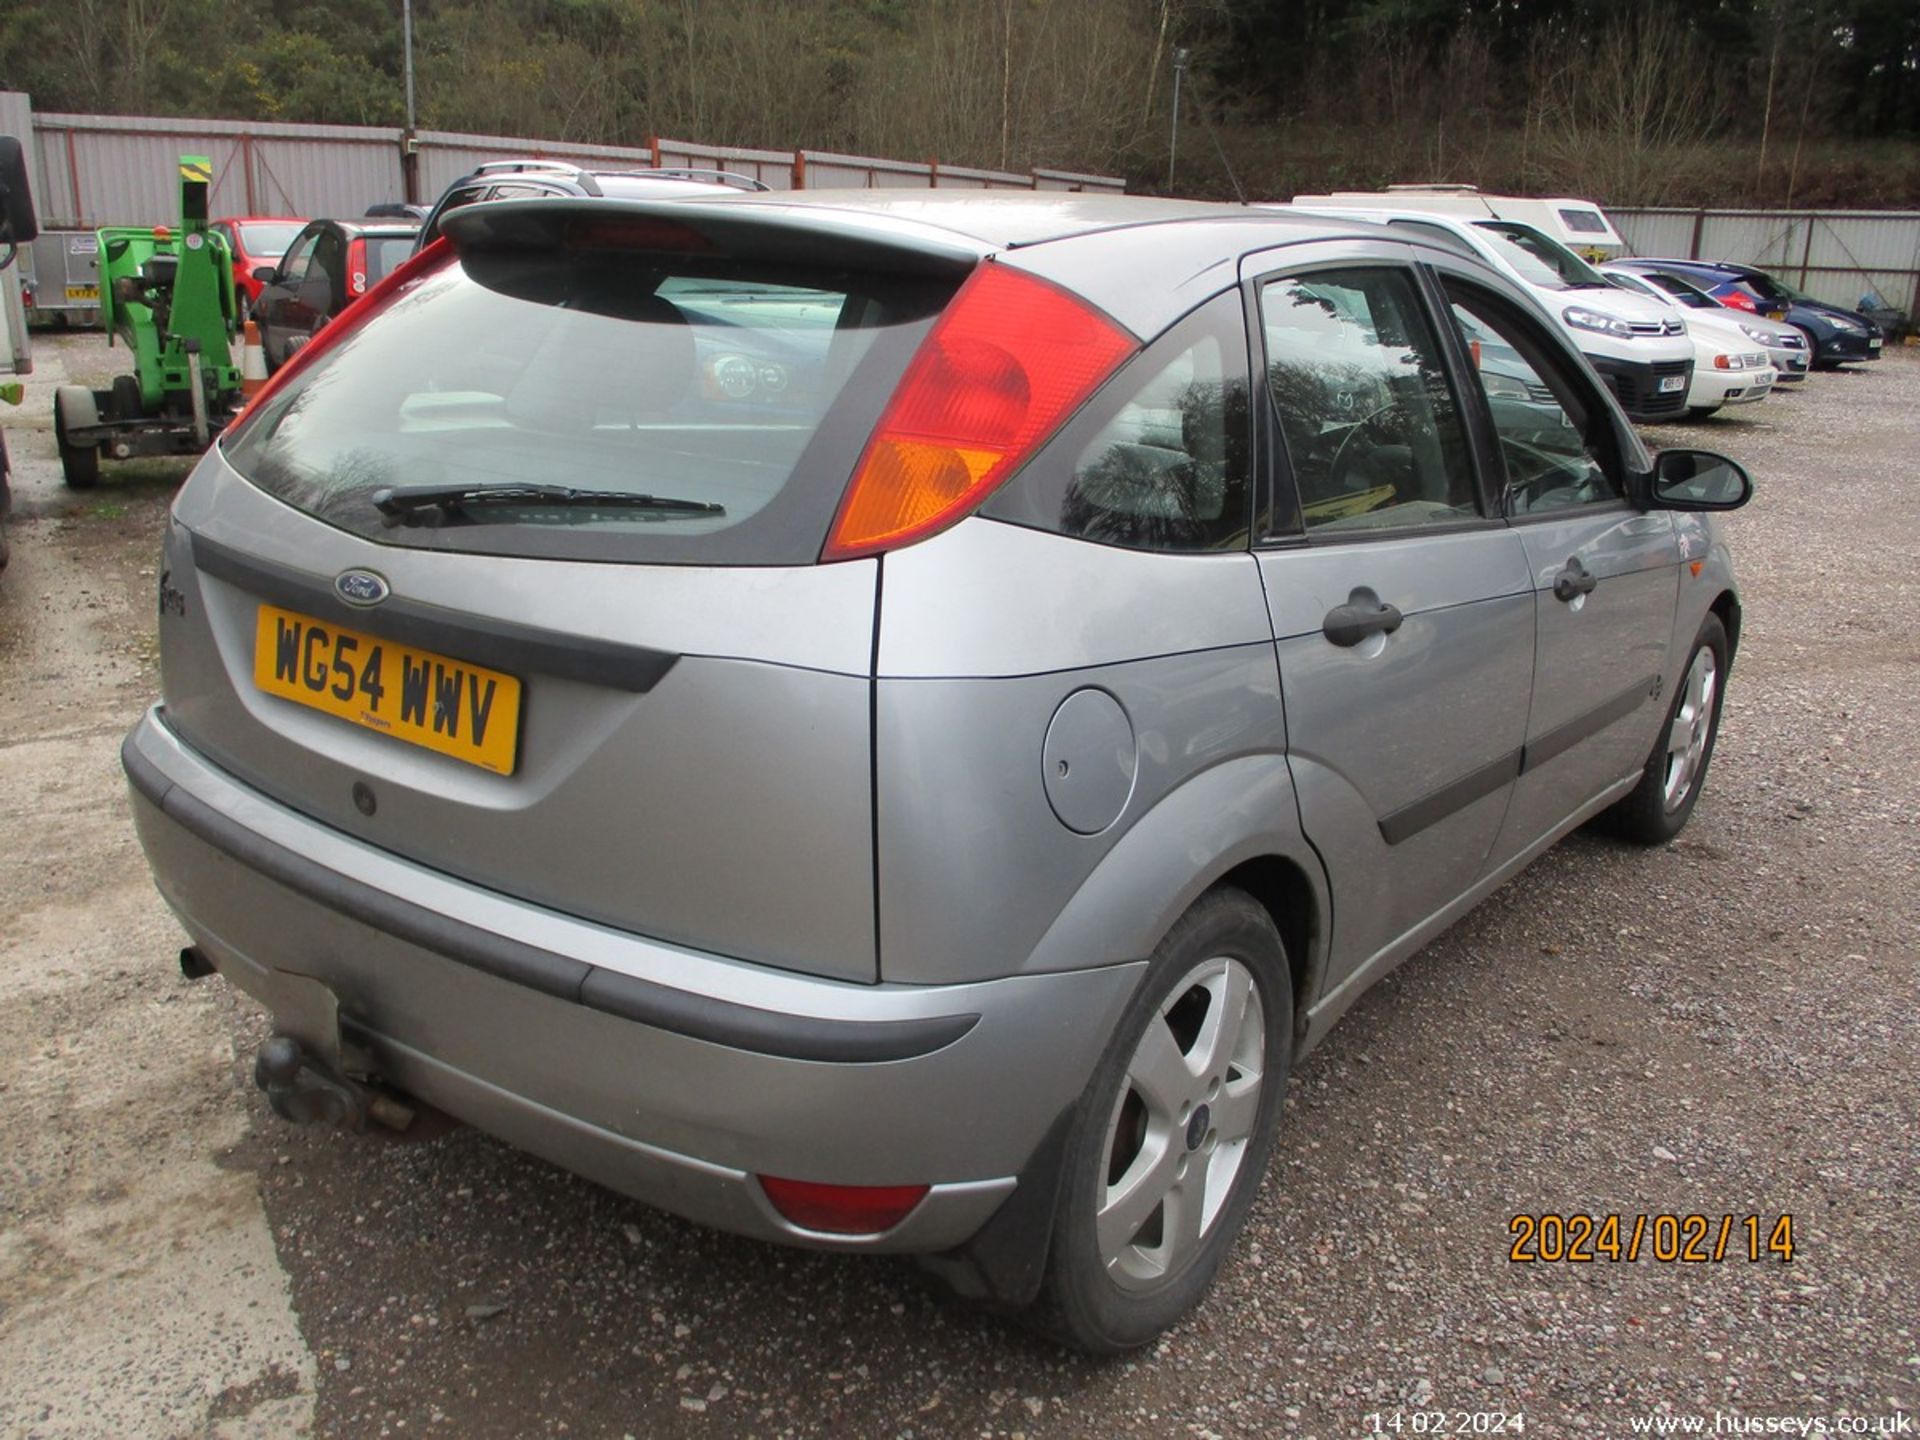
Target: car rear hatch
point(519, 579)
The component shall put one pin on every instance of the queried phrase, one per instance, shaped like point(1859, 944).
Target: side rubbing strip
point(1410, 820)
point(1564, 737)
point(700, 1017)
point(504, 644)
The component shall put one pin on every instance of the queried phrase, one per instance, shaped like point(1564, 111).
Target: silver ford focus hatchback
point(890, 721)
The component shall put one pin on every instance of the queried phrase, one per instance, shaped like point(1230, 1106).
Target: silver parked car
point(891, 721)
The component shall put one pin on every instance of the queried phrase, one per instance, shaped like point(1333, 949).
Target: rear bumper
point(1641, 387)
point(667, 1074)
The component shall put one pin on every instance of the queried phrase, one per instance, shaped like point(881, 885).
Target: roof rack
point(584, 178)
point(1435, 187)
point(689, 172)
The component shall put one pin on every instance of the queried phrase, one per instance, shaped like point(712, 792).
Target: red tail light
point(842, 1209)
point(1009, 360)
point(417, 267)
point(357, 267)
point(1740, 300)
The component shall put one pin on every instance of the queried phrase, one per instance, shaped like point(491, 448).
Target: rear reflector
point(842, 1209)
point(1010, 359)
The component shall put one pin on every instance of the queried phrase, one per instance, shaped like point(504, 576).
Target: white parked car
point(1638, 345)
point(1730, 367)
point(1786, 345)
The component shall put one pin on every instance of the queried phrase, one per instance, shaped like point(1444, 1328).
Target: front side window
point(1556, 444)
point(1371, 424)
point(1158, 461)
point(735, 393)
point(294, 268)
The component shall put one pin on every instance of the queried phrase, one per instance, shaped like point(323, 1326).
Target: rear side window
point(1157, 460)
point(737, 394)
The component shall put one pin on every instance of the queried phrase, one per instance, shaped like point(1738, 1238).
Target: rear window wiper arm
point(408, 504)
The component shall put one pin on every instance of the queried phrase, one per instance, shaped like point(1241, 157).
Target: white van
point(1639, 346)
point(1580, 225)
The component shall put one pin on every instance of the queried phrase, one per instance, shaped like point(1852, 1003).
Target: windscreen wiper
point(410, 504)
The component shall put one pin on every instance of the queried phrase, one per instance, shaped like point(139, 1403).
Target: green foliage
point(1629, 100)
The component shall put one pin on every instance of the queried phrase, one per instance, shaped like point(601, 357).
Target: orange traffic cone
point(253, 361)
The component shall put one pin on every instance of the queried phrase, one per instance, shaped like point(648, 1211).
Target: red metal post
point(799, 169)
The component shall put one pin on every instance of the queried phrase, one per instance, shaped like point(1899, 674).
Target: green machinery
point(169, 295)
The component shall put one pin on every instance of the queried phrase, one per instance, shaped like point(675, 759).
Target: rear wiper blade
point(408, 504)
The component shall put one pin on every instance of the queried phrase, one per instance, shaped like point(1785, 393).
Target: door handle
point(1364, 614)
point(1574, 579)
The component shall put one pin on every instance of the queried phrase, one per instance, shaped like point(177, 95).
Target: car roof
point(1653, 263)
point(259, 220)
point(1011, 219)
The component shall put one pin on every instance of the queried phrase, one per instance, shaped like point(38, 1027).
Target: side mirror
point(1698, 480)
point(264, 274)
point(17, 224)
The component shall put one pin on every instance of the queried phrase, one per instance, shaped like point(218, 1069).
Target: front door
point(1604, 576)
point(1402, 609)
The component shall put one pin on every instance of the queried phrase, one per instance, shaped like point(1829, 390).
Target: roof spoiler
point(790, 233)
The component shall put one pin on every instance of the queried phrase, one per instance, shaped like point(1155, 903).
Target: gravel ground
point(1724, 1026)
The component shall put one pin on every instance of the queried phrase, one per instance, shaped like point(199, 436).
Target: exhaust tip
point(194, 963)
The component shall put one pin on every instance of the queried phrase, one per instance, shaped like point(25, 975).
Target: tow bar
point(304, 1068)
point(303, 1089)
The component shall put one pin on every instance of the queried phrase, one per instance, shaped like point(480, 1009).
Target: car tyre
point(1181, 1110)
point(1657, 808)
point(79, 464)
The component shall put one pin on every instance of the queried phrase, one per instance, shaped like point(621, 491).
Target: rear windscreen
point(737, 394)
point(386, 253)
point(268, 241)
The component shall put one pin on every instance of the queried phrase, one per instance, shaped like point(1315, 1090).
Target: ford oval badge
point(360, 587)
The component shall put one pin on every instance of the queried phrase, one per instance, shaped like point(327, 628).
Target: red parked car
point(256, 240)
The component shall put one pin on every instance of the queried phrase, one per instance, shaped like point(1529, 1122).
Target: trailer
point(61, 278)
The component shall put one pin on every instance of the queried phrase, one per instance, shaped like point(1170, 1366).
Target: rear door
point(1401, 607)
point(1604, 576)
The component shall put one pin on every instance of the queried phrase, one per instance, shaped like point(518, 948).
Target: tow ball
point(304, 1089)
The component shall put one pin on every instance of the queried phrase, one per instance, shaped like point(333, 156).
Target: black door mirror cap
point(265, 274)
point(1698, 480)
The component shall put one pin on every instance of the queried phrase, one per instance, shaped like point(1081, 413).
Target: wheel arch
point(1727, 606)
point(1279, 884)
point(1236, 823)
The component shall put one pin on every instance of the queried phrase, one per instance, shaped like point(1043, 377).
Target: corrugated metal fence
point(1834, 255)
point(95, 170)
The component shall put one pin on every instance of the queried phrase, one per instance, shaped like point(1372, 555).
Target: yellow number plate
point(462, 710)
point(83, 292)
